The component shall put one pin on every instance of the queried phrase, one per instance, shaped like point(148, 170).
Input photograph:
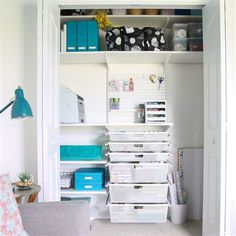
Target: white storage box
point(138, 173)
point(138, 156)
point(138, 193)
point(138, 213)
point(138, 136)
point(71, 107)
point(138, 146)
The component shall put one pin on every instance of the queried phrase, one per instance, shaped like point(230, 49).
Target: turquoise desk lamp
point(20, 107)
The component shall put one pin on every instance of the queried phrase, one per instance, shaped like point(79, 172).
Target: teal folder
point(82, 41)
point(93, 36)
point(71, 36)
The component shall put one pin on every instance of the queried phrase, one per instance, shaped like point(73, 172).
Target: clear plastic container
point(179, 44)
point(195, 30)
point(179, 30)
point(195, 44)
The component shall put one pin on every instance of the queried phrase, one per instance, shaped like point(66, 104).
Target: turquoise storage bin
point(89, 175)
point(89, 186)
point(80, 152)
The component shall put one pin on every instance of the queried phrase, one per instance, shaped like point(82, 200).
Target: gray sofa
point(56, 218)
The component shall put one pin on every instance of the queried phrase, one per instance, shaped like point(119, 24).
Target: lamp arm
point(8, 105)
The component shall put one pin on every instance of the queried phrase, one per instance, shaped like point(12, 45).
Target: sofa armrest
point(56, 218)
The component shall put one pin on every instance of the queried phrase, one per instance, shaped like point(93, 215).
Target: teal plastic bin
point(80, 152)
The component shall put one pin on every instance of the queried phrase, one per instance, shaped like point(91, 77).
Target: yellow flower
point(103, 22)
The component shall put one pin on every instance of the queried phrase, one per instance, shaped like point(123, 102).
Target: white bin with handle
point(146, 136)
point(138, 173)
point(138, 156)
point(138, 213)
point(138, 193)
point(138, 146)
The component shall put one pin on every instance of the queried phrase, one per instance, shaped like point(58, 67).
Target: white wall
point(18, 32)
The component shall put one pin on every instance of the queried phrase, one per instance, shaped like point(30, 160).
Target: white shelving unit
point(102, 62)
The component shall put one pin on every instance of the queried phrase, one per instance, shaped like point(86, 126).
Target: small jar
point(141, 113)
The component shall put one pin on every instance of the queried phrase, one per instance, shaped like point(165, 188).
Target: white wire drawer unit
point(138, 193)
point(145, 172)
point(138, 213)
point(138, 168)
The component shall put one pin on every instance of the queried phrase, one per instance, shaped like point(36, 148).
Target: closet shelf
point(75, 192)
point(140, 20)
point(92, 162)
point(120, 57)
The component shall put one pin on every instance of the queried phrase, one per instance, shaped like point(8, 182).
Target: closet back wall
point(184, 98)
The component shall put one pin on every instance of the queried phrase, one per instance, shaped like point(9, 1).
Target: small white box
point(138, 213)
point(138, 173)
point(138, 193)
point(71, 107)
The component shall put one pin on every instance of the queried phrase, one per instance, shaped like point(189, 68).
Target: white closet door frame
point(230, 215)
point(48, 96)
point(124, 4)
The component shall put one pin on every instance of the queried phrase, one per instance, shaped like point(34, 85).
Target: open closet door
point(50, 96)
point(214, 118)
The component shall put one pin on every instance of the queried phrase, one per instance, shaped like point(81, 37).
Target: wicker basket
point(135, 11)
point(151, 12)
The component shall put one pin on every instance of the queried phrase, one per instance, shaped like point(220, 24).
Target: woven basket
point(135, 11)
point(151, 12)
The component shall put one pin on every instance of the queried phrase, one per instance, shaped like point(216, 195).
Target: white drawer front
point(138, 173)
point(134, 157)
point(137, 213)
point(138, 193)
point(138, 136)
point(138, 147)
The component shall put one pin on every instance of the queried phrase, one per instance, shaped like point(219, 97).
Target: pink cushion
point(10, 219)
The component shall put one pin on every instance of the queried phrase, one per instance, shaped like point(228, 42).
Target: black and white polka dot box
point(135, 39)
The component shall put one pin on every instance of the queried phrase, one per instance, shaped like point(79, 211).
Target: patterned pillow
point(10, 219)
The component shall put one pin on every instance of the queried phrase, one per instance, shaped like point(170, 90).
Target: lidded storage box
point(195, 30)
point(179, 30)
point(89, 179)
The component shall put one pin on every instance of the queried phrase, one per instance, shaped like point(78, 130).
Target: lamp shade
point(20, 107)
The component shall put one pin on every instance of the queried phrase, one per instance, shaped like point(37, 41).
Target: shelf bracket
point(167, 59)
